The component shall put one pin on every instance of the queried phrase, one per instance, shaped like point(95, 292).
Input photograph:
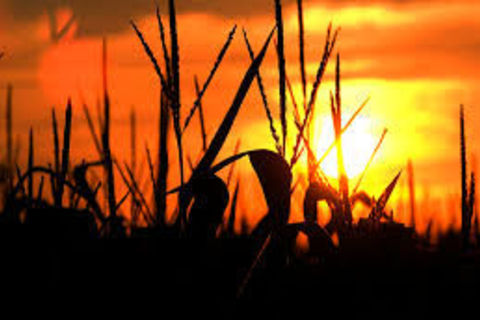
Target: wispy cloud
point(100, 17)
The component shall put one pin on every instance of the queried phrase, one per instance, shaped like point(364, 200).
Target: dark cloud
point(97, 17)
point(94, 17)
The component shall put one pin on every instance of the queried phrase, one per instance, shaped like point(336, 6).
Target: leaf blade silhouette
point(275, 177)
point(383, 199)
point(224, 129)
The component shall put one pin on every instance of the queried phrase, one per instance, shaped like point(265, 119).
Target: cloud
point(100, 17)
point(93, 17)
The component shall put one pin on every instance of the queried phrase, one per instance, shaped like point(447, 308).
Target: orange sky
point(416, 60)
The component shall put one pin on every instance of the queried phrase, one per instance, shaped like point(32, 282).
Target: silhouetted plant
point(210, 201)
point(275, 178)
point(411, 192)
point(468, 193)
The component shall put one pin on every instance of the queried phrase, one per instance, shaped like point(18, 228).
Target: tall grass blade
point(201, 117)
point(261, 87)
point(174, 54)
point(224, 163)
point(166, 57)
point(175, 101)
point(108, 164)
point(471, 197)
point(329, 45)
point(214, 69)
point(281, 71)
point(56, 151)
point(122, 200)
point(472, 204)
point(411, 192)
point(301, 46)
point(337, 124)
point(163, 165)
point(150, 54)
point(466, 219)
point(377, 147)
point(65, 154)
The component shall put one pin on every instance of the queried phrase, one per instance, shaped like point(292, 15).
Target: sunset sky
point(417, 60)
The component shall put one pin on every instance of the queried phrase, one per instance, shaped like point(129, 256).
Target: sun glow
point(358, 144)
point(70, 68)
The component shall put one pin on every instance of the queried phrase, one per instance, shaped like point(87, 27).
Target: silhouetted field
point(60, 245)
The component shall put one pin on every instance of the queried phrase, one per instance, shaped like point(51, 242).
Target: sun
point(70, 69)
point(358, 143)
